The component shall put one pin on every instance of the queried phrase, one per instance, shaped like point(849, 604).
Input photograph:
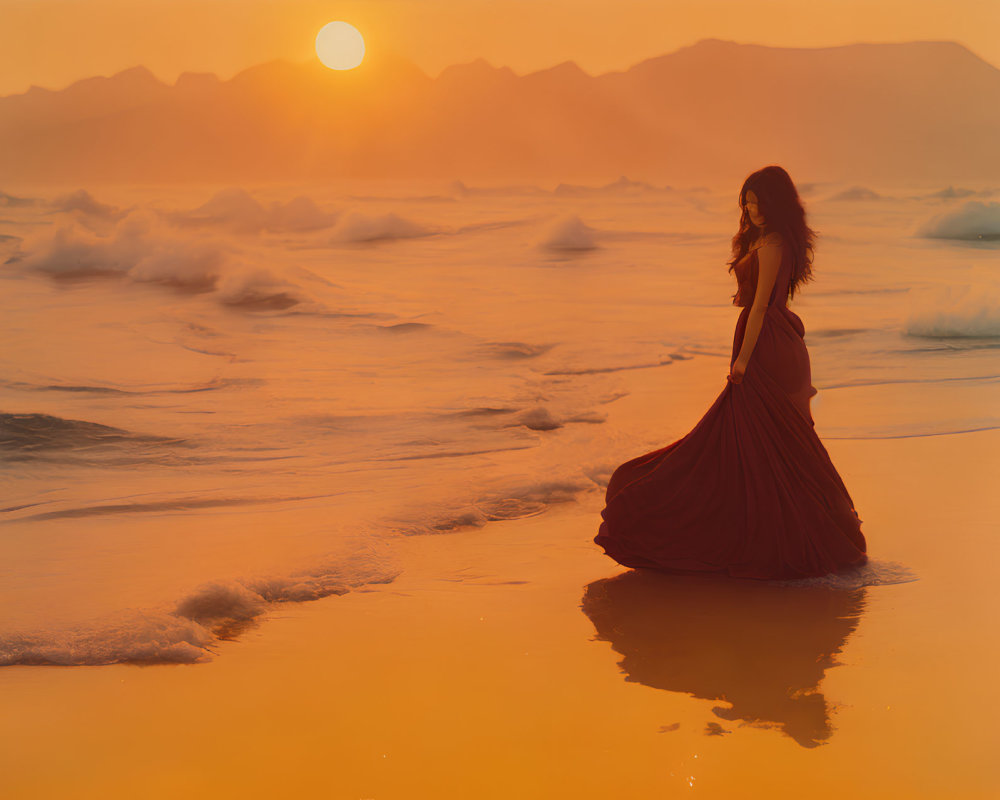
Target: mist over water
point(216, 401)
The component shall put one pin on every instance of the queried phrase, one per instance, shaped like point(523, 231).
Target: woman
point(751, 490)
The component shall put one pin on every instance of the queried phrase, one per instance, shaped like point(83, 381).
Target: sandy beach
point(331, 336)
point(516, 660)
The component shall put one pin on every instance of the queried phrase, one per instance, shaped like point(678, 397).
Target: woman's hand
point(737, 371)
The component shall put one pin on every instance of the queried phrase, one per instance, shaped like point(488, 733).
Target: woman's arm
point(768, 264)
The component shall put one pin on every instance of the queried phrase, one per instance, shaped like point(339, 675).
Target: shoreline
point(477, 672)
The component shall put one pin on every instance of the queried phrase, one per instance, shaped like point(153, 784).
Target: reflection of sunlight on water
point(760, 648)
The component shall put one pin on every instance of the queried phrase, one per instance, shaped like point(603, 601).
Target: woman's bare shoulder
point(774, 238)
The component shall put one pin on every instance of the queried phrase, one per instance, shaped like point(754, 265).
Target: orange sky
point(51, 43)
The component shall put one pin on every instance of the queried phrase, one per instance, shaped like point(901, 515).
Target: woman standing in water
point(750, 491)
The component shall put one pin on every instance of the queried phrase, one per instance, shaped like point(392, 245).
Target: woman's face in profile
point(753, 209)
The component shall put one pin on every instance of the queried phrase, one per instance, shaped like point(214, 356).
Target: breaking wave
point(956, 312)
point(856, 193)
point(238, 211)
point(974, 221)
point(214, 612)
point(81, 200)
point(136, 250)
point(623, 186)
point(568, 233)
point(516, 502)
point(357, 227)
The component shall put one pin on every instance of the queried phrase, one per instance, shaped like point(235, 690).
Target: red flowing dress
point(751, 491)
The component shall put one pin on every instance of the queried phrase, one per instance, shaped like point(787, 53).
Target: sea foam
point(139, 249)
point(190, 631)
point(875, 572)
point(568, 233)
point(238, 211)
point(955, 312)
point(973, 221)
point(355, 226)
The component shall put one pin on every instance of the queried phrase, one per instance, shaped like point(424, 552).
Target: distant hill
point(715, 110)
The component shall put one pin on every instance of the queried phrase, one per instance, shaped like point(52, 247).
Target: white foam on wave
point(237, 210)
point(460, 189)
point(353, 226)
point(193, 266)
point(874, 573)
point(527, 499)
point(954, 312)
point(140, 249)
point(855, 193)
point(568, 232)
point(951, 193)
point(542, 418)
point(131, 636)
point(189, 632)
point(256, 289)
point(973, 221)
point(84, 202)
point(231, 207)
point(72, 252)
point(298, 214)
point(623, 186)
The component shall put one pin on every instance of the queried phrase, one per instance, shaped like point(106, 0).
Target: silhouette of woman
point(750, 491)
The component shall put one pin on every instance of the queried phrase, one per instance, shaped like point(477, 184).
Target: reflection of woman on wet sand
point(763, 648)
point(750, 491)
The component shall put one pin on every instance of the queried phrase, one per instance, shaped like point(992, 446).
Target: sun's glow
point(339, 45)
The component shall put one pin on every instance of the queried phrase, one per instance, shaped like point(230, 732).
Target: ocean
point(218, 399)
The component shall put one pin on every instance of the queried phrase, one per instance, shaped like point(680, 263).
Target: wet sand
point(517, 660)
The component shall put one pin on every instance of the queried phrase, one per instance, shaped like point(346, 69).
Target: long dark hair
point(778, 202)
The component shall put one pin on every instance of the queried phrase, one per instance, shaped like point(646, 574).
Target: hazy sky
point(52, 43)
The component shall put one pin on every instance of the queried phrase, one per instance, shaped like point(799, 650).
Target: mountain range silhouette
point(716, 110)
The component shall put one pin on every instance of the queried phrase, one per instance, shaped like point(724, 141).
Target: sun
point(339, 45)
